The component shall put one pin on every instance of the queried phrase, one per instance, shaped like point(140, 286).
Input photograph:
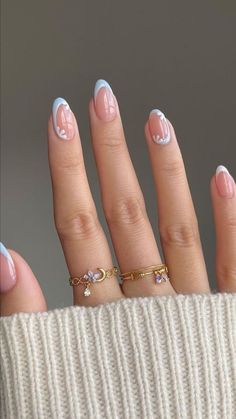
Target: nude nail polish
point(104, 100)
point(63, 121)
point(158, 126)
point(224, 182)
point(7, 270)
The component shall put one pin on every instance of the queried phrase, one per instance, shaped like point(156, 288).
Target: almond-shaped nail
point(158, 126)
point(104, 100)
point(224, 182)
point(63, 120)
point(7, 270)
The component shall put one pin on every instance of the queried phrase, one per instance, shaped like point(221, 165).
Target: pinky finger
point(223, 194)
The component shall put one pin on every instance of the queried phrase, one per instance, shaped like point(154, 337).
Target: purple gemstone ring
point(95, 277)
point(91, 277)
point(160, 273)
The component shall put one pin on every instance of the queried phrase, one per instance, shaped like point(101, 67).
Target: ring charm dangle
point(91, 277)
point(160, 273)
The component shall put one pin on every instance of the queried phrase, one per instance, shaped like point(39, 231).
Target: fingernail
point(224, 182)
point(63, 120)
point(158, 126)
point(7, 270)
point(104, 100)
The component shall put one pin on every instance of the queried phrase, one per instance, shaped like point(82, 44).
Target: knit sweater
point(144, 357)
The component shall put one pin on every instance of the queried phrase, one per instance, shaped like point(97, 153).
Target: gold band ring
point(160, 273)
point(90, 277)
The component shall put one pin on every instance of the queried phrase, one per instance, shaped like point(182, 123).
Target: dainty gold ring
point(91, 277)
point(160, 273)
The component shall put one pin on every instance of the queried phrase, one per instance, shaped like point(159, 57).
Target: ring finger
point(123, 202)
point(83, 240)
point(177, 220)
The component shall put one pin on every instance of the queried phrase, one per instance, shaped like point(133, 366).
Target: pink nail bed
point(105, 104)
point(224, 182)
point(7, 270)
point(63, 120)
point(158, 126)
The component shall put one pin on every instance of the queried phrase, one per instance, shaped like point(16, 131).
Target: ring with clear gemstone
point(91, 277)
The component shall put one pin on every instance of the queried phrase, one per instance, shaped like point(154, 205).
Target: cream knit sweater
point(145, 357)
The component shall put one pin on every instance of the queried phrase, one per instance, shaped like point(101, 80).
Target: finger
point(223, 194)
point(19, 289)
point(177, 220)
point(82, 237)
point(123, 202)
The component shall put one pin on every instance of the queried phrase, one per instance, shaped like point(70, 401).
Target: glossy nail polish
point(224, 182)
point(63, 121)
point(104, 100)
point(7, 270)
point(158, 126)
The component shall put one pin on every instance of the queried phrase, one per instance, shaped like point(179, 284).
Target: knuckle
point(226, 273)
point(173, 168)
point(182, 234)
point(126, 211)
point(71, 162)
point(112, 140)
point(79, 226)
point(231, 223)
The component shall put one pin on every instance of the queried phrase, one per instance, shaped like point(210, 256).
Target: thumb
point(19, 289)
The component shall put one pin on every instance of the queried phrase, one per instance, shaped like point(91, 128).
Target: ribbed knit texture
point(145, 357)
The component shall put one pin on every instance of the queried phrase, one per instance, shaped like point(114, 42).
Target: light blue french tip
point(57, 102)
point(5, 253)
point(99, 84)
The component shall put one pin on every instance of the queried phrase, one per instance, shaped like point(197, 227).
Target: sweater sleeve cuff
point(144, 357)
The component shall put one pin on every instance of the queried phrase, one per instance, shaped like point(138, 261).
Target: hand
point(82, 237)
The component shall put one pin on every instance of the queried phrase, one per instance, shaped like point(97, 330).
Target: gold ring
point(91, 277)
point(160, 273)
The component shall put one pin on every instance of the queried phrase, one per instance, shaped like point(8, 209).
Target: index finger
point(82, 237)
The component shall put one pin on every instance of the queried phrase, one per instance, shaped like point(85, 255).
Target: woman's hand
point(83, 240)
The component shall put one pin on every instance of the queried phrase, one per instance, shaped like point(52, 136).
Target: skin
point(81, 235)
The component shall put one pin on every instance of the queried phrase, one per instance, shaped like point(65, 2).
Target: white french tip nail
point(221, 168)
point(99, 84)
point(159, 113)
point(157, 138)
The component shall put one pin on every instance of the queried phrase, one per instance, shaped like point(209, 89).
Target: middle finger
point(123, 202)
